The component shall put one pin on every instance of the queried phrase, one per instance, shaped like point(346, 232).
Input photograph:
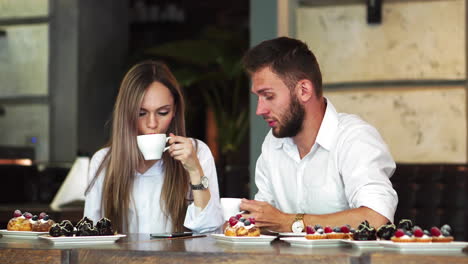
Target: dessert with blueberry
point(420, 235)
point(386, 231)
point(42, 223)
point(334, 233)
point(314, 234)
point(365, 232)
point(239, 226)
point(444, 234)
point(20, 222)
point(402, 235)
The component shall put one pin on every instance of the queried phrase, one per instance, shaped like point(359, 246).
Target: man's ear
point(305, 90)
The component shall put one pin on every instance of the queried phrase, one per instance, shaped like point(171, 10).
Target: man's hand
point(267, 216)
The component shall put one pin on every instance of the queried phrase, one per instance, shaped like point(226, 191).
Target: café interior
point(401, 65)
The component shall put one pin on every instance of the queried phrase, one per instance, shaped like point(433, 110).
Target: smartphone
point(165, 235)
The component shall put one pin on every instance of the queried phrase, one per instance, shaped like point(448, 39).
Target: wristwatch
point(203, 184)
point(298, 224)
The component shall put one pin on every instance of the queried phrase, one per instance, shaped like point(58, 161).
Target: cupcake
point(313, 234)
point(104, 227)
point(405, 224)
point(386, 231)
point(402, 236)
point(365, 232)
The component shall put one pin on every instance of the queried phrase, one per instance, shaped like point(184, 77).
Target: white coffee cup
point(152, 146)
point(230, 207)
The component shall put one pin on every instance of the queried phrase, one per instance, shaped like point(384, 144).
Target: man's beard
point(293, 119)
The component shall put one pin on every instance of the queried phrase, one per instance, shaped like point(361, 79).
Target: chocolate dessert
point(386, 231)
point(365, 232)
point(104, 227)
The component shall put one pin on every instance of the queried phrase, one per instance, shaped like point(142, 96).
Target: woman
point(150, 196)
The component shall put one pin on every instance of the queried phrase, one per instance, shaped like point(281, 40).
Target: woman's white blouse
point(145, 213)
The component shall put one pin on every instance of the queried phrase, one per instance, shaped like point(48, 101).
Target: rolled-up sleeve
point(210, 218)
point(366, 167)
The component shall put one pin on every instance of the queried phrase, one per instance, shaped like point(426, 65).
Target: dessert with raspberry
point(420, 236)
point(365, 232)
point(402, 235)
point(20, 222)
point(42, 223)
point(335, 233)
point(442, 235)
point(239, 226)
point(386, 231)
point(313, 234)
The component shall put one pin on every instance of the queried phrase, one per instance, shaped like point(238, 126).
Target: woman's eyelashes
point(161, 113)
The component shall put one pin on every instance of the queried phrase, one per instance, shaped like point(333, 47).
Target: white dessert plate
point(302, 241)
point(262, 239)
point(21, 234)
point(83, 239)
point(420, 246)
point(291, 234)
point(364, 243)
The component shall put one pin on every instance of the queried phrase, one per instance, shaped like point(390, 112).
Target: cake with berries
point(239, 226)
point(335, 233)
point(20, 222)
point(365, 232)
point(314, 234)
point(42, 223)
point(385, 232)
point(442, 235)
point(402, 235)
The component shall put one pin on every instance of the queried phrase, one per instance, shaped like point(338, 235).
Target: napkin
point(74, 186)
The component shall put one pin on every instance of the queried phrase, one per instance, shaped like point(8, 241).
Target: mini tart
point(230, 231)
point(336, 235)
point(442, 239)
point(403, 239)
point(315, 236)
point(423, 239)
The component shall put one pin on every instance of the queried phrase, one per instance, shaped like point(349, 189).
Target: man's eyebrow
point(263, 90)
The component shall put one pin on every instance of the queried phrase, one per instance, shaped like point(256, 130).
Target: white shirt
point(348, 166)
point(145, 213)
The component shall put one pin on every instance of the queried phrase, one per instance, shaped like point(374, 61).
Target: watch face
point(298, 226)
point(204, 182)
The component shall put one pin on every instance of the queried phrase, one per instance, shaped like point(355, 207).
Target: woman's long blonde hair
point(124, 157)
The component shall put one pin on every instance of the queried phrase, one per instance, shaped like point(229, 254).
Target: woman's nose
point(151, 121)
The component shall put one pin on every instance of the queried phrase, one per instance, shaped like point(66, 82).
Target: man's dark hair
point(289, 58)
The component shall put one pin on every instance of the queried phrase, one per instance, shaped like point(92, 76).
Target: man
point(317, 166)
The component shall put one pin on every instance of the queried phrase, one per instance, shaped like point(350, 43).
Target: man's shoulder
point(352, 122)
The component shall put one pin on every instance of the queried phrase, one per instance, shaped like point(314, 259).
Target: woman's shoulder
point(99, 155)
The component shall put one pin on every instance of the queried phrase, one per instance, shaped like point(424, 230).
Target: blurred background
point(399, 64)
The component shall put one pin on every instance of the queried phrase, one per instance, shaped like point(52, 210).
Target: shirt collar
point(326, 134)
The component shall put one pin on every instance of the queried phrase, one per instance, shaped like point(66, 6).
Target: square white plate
point(302, 241)
point(422, 246)
point(364, 243)
point(291, 234)
point(83, 239)
point(262, 239)
point(21, 234)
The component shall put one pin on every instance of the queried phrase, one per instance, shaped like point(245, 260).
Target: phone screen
point(177, 234)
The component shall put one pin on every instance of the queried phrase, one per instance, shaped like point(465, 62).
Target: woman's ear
point(305, 90)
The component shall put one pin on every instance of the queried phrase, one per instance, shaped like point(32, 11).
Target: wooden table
point(139, 248)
